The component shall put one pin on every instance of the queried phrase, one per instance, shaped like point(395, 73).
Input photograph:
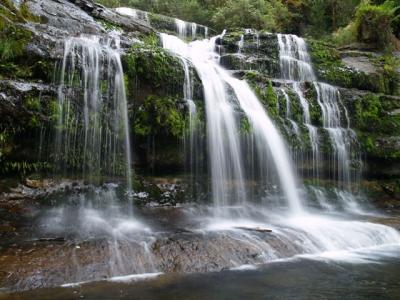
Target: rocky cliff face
point(368, 84)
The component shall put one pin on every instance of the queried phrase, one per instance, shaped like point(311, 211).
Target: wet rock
point(35, 184)
point(64, 15)
point(38, 189)
point(391, 221)
point(360, 64)
point(52, 263)
point(14, 93)
point(61, 19)
point(111, 16)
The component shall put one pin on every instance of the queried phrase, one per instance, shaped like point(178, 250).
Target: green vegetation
point(160, 116)
point(313, 17)
point(150, 66)
point(330, 67)
point(269, 15)
point(14, 61)
point(376, 125)
point(271, 100)
point(375, 23)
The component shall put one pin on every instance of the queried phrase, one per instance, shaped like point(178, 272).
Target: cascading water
point(302, 231)
point(193, 143)
point(93, 131)
point(134, 13)
point(296, 68)
point(342, 137)
point(189, 30)
point(223, 95)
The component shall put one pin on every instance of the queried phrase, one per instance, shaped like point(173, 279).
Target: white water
point(189, 30)
point(223, 129)
point(240, 44)
point(296, 68)
point(342, 136)
point(193, 143)
point(93, 130)
point(302, 231)
point(134, 13)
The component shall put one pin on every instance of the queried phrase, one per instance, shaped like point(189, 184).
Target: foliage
point(373, 24)
point(12, 46)
point(370, 20)
point(261, 14)
point(270, 15)
point(23, 167)
point(326, 16)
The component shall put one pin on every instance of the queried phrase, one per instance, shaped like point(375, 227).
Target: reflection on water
point(301, 278)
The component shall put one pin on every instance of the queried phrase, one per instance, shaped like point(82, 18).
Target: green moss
point(151, 40)
point(231, 39)
point(330, 68)
point(33, 104)
point(108, 25)
point(160, 115)
point(245, 126)
point(373, 115)
point(328, 63)
point(265, 92)
point(270, 100)
point(153, 67)
point(15, 62)
point(295, 107)
point(314, 107)
point(376, 125)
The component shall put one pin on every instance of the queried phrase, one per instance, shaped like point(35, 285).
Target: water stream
point(93, 130)
point(226, 99)
point(242, 226)
point(223, 95)
point(296, 69)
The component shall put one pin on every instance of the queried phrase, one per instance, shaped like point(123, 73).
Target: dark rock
point(64, 15)
point(111, 16)
point(13, 94)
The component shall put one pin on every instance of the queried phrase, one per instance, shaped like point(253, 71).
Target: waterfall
point(240, 44)
point(224, 94)
point(296, 68)
point(181, 28)
point(134, 13)
point(191, 30)
point(341, 135)
point(93, 131)
point(193, 144)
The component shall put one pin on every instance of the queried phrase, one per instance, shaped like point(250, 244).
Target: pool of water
point(373, 277)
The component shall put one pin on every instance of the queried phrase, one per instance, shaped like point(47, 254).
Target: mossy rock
point(260, 52)
point(377, 123)
point(330, 68)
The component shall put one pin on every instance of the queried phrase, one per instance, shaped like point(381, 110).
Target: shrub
point(373, 24)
